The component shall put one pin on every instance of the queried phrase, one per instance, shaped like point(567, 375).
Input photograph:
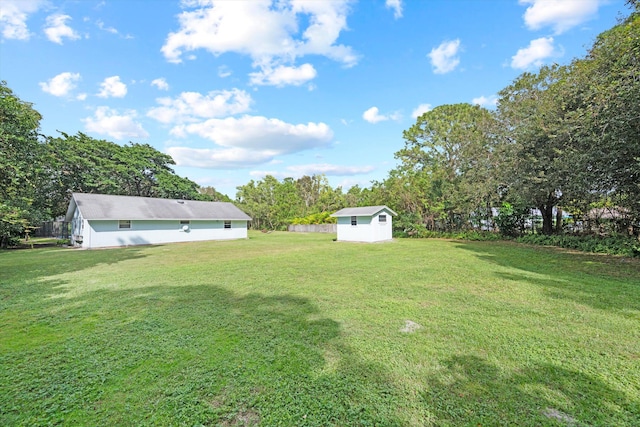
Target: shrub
point(419, 231)
point(510, 220)
point(616, 244)
point(316, 218)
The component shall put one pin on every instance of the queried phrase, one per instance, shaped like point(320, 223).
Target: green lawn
point(298, 330)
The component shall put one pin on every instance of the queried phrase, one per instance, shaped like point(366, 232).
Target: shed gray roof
point(363, 211)
point(104, 206)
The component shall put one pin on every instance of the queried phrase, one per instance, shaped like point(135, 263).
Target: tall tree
point(20, 164)
point(80, 163)
point(447, 164)
point(211, 194)
point(357, 196)
point(309, 189)
point(536, 165)
point(271, 204)
point(605, 120)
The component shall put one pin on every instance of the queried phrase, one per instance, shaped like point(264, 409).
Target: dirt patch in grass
point(410, 327)
point(560, 416)
point(244, 418)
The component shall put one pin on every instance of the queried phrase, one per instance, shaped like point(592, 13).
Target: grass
point(297, 330)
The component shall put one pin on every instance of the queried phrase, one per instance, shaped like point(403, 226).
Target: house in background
point(365, 224)
point(100, 220)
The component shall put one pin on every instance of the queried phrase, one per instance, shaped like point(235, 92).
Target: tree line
point(566, 138)
point(38, 173)
point(563, 139)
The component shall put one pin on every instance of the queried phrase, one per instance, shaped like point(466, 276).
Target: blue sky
point(234, 90)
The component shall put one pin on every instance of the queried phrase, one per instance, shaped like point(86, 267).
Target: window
point(227, 224)
point(354, 220)
point(124, 223)
point(382, 219)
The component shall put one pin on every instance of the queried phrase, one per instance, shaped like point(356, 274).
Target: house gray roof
point(363, 211)
point(104, 206)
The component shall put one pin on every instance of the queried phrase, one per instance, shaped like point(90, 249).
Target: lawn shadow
point(470, 390)
point(44, 262)
point(196, 355)
point(602, 282)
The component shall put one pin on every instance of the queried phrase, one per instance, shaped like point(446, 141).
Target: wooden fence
point(57, 229)
point(314, 228)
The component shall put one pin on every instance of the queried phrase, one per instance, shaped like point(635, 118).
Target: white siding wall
point(99, 234)
point(368, 229)
point(77, 226)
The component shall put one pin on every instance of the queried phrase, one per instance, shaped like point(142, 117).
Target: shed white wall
point(77, 226)
point(105, 233)
point(369, 229)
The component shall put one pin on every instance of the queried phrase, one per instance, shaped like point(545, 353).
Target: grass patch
point(295, 329)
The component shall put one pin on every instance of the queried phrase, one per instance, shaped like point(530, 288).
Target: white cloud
point(221, 27)
point(230, 158)
point(420, 110)
point(535, 54)
point(282, 75)
point(191, 106)
point(224, 71)
point(81, 96)
point(443, 57)
point(61, 84)
point(561, 15)
point(328, 169)
point(298, 171)
point(57, 29)
point(396, 5)
point(247, 141)
point(112, 87)
point(14, 15)
point(160, 83)
point(485, 101)
point(372, 115)
point(260, 133)
point(103, 27)
point(275, 174)
point(107, 121)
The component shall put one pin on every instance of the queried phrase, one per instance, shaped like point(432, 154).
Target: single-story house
point(365, 224)
point(101, 220)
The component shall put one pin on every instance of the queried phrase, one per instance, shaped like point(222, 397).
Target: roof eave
point(72, 207)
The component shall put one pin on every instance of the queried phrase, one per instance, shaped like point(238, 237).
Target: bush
point(612, 245)
point(13, 241)
point(511, 219)
point(317, 218)
point(419, 231)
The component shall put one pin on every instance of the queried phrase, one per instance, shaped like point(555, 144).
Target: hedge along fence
point(313, 228)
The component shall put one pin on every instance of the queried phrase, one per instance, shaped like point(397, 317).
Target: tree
point(270, 203)
point(605, 119)
point(356, 196)
point(20, 164)
point(139, 166)
point(213, 195)
point(447, 165)
point(80, 163)
point(309, 190)
point(536, 164)
point(317, 195)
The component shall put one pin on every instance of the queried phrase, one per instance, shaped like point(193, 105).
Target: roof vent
point(180, 201)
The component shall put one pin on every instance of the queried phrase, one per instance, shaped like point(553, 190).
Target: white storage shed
point(100, 220)
point(365, 224)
